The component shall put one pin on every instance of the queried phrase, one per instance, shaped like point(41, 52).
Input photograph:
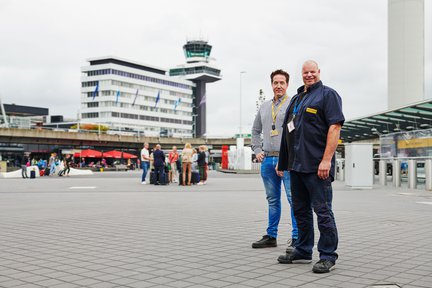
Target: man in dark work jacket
point(159, 164)
point(310, 137)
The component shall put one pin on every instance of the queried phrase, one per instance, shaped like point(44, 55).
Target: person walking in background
point(145, 162)
point(268, 123)
point(24, 160)
point(201, 165)
point(67, 162)
point(159, 164)
point(187, 154)
point(173, 156)
point(52, 163)
point(311, 131)
point(207, 156)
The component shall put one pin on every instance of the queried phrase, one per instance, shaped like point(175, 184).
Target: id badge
point(274, 133)
point(291, 126)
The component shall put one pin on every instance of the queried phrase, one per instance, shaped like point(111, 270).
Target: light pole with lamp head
point(240, 128)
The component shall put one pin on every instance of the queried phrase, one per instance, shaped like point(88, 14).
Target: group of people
point(295, 139)
point(175, 163)
point(54, 164)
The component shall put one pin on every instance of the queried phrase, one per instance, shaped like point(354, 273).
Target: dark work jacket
point(321, 108)
point(158, 158)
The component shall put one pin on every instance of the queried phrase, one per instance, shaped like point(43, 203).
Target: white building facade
point(122, 95)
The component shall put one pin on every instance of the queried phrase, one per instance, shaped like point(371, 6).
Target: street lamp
point(240, 128)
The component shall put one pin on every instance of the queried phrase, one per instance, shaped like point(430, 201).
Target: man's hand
point(260, 157)
point(279, 173)
point(324, 169)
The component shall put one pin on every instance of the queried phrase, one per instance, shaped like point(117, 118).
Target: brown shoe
point(189, 184)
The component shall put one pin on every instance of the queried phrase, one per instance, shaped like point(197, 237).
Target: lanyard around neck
point(275, 113)
point(297, 105)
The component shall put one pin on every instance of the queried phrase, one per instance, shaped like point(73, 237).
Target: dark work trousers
point(160, 174)
point(310, 192)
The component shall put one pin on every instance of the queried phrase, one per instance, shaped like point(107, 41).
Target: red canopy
point(118, 154)
point(88, 154)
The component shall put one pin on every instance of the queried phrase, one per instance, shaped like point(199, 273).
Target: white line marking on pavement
point(82, 187)
point(427, 203)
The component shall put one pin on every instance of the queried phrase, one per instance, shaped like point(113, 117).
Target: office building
point(134, 97)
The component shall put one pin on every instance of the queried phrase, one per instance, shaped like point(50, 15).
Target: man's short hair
point(280, 72)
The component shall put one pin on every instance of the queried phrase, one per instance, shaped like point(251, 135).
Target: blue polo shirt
point(303, 148)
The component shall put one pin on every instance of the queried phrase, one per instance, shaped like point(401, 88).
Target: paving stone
point(124, 234)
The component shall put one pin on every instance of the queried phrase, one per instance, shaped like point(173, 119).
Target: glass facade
point(197, 49)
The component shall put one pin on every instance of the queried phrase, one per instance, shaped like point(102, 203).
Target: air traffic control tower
point(198, 69)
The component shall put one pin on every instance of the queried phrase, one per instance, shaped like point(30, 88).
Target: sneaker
point(200, 183)
point(323, 266)
point(290, 245)
point(143, 183)
point(264, 242)
point(205, 182)
point(292, 258)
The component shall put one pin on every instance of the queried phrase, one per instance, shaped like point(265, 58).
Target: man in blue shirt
point(310, 137)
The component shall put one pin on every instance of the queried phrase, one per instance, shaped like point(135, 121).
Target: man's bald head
point(310, 62)
point(310, 73)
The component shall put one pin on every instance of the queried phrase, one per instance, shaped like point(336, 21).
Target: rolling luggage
point(152, 177)
point(47, 171)
point(195, 178)
point(153, 180)
point(32, 174)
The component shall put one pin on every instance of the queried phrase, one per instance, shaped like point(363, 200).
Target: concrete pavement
point(108, 230)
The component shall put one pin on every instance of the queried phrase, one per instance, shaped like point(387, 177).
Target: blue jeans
point(273, 185)
point(145, 165)
point(310, 192)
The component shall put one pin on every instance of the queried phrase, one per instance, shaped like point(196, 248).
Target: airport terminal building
point(128, 96)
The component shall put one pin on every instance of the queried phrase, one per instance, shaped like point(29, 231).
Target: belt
point(272, 154)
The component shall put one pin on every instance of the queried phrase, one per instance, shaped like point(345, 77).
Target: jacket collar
point(311, 88)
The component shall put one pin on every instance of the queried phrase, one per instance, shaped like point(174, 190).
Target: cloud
point(44, 44)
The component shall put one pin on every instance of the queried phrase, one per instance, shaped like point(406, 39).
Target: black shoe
point(266, 241)
point(292, 258)
point(291, 245)
point(323, 266)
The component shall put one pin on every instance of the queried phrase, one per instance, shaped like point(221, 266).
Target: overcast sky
point(43, 44)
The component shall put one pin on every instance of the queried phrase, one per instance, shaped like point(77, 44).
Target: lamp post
point(240, 128)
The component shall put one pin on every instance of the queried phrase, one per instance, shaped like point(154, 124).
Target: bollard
point(383, 172)
point(412, 174)
point(342, 171)
point(428, 174)
point(396, 173)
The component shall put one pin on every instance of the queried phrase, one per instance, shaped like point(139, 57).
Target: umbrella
point(118, 155)
point(88, 154)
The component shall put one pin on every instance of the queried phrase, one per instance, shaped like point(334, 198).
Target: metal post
point(342, 170)
point(428, 174)
point(240, 128)
point(412, 174)
point(383, 172)
point(396, 173)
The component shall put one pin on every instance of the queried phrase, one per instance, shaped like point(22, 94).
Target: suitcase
point(47, 171)
point(152, 177)
point(164, 181)
point(41, 173)
point(32, 174)
point(195, 178)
